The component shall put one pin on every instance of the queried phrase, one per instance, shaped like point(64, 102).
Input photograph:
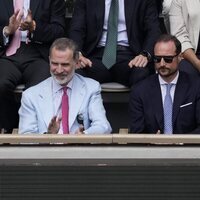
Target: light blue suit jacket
point(36, 109)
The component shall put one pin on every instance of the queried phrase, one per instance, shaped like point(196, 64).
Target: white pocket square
point(187, 104)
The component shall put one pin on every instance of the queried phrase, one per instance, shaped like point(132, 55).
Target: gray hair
point(65, 43)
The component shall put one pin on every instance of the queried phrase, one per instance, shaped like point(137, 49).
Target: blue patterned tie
point(168, 106)
point(110, 50)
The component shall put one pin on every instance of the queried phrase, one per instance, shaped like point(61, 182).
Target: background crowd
point(110, 41)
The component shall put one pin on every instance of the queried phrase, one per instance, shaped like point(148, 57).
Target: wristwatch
point(146, 54)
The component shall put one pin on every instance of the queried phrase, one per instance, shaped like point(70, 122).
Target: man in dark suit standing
point(169, 101)
point(137, 29)
point(27, 29)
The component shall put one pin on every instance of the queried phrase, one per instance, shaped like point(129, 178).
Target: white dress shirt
point(57, 91)
point(163, 87)
point(122, 32)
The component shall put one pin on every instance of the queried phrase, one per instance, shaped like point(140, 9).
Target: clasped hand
point(16, 21)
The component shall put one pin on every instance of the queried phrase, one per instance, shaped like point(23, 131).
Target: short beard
point(170, 73)
point(65, 81)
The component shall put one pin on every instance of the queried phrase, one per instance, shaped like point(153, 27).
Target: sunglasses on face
point(167, 59)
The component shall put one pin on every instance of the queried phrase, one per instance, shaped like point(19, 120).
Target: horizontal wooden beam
point(99, 139)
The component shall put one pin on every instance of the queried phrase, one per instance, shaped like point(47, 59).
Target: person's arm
point(136, 113)
point(190, 55)
point(27, 115)
point(178, 26)
point(151, 30)
point(49, 23)
point(97, 115)
point(8, 31)
point(77, 30)
point(150, 26)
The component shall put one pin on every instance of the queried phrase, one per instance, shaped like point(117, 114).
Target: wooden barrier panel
point(100, 139)
point(156, 139)
point(55, 139)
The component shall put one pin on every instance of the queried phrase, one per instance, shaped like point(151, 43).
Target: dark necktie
point(168, 107)
point(65, 111)
point(110, 50)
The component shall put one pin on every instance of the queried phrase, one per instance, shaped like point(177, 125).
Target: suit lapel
point(33, 6)
point(76, 99)
point(179, 96)
point(46, 102)
point(157, 102)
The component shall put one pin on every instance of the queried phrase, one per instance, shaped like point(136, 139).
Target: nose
point(59, 68)
point(162, 62)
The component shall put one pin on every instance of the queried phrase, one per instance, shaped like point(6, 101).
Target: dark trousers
point(120, 72)
point(26, 66)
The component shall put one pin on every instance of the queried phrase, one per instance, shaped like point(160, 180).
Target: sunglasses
point(167, 59)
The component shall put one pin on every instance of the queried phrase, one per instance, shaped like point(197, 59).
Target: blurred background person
point(115, 38)
point(185, 25)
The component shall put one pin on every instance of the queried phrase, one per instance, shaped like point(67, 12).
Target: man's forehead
point(169, 45)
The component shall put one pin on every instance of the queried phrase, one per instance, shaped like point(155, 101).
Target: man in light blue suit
point(41, 107)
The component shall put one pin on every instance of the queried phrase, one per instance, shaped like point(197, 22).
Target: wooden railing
point(99, 139)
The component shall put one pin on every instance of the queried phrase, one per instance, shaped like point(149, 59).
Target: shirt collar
point(174, 82)
point(57, 87)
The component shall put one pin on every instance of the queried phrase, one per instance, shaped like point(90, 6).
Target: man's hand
point(14, 23)
point(54, 125)
point(158, 132)
point(138, 61)
point(83, 62)
point(80, 130)
point(28, 24)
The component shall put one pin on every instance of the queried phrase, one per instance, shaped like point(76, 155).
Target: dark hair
point(167, 38)
point(65, 43)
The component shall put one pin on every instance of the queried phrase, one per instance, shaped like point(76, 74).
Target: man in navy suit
point(148, 97)
point(39, 23)
point(138, 28)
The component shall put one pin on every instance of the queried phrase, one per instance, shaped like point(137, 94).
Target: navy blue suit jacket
point(141, 22)
point(146, 108)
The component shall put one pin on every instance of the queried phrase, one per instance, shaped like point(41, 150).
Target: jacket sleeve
point(50, 22)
